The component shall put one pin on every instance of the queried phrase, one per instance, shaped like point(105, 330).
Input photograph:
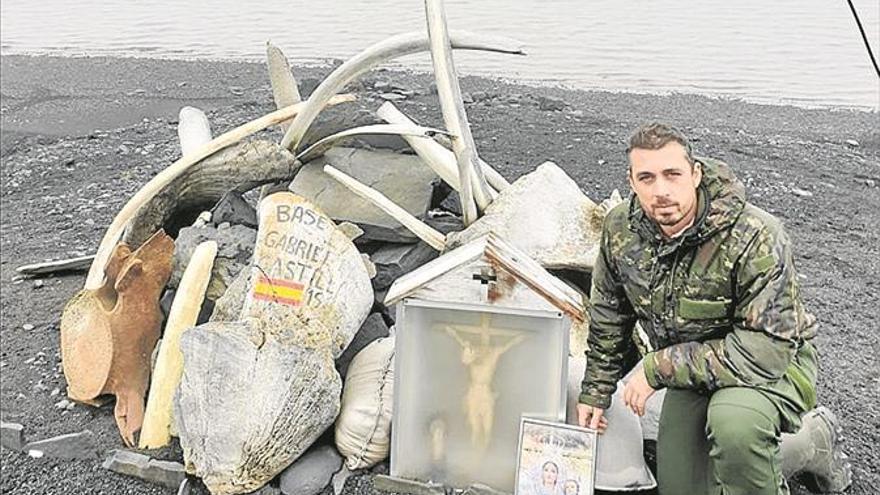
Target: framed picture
point(555, 459)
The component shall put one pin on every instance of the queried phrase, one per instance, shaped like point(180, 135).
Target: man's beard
point(668, 217)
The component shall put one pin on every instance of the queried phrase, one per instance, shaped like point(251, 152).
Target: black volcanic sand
point(81, 135)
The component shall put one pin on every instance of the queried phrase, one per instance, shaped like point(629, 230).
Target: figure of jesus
point(481, 358)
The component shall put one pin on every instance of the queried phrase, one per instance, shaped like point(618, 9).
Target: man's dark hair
point(655, 135)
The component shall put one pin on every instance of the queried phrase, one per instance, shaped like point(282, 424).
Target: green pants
point(727, 443)
point(724, 444)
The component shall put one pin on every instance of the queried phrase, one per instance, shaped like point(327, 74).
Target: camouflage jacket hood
point(720, 305)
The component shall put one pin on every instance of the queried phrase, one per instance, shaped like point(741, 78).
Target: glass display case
point(465, 374)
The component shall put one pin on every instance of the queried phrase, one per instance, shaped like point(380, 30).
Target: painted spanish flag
point(278, 290)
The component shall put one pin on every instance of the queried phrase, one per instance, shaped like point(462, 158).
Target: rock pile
point(297, 287)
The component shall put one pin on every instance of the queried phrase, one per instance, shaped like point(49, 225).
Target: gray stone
point(71, 446)
point(368, 263)
point(394, 260)
point(234, 209)
point(482, 96)
point(404, 179)
point(165, 473)
point(393, 484)
point(452, 203)
point(445, 223)
point(12, 436)
point(228, 307)
point(550, 104)
point(373, 328)
point(392, 96)
point(312, 472)
point(235, 249)
point(350, 230)
point(383, 142)
point(545, 214)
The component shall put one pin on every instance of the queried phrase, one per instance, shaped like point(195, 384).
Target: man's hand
point(592, 417)
point(637, 391)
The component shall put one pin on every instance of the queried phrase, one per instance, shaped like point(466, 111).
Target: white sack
point(363, 429)
point(620, 462)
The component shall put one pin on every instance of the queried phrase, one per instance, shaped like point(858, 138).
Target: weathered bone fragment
point(441, 160)
point(328, 142)
point(563, 232)
point(257, 392)
point(95, 278)
point(45, 268)
point(235, 168)
point(423, 231)
point(474, 194)
point(193, 129)
point(203, 219)
point(284, 88)
point(108, 334)
point(388, 49)
point(169, 364)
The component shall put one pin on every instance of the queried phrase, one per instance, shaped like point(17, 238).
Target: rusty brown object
point(108, 334)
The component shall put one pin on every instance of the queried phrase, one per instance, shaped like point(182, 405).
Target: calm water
point(803, 52)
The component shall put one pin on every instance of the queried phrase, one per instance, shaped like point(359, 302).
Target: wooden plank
point(536, 277)
point(407, 284)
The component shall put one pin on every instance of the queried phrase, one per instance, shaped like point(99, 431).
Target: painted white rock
point(258, 391)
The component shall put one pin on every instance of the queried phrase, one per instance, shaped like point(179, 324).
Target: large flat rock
point(165, 473)
point(545, 214)
point(394, 260)
point(404, 179)
point(71, 446)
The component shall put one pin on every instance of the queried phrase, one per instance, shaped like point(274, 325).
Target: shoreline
point(397, 66)
point(81, 135)
point(129, 93)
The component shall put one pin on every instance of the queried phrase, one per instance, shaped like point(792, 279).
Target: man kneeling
point(711, 280)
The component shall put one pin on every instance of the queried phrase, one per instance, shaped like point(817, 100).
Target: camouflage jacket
point(720, 303)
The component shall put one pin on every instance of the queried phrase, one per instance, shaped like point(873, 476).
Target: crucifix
point(480, 352)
